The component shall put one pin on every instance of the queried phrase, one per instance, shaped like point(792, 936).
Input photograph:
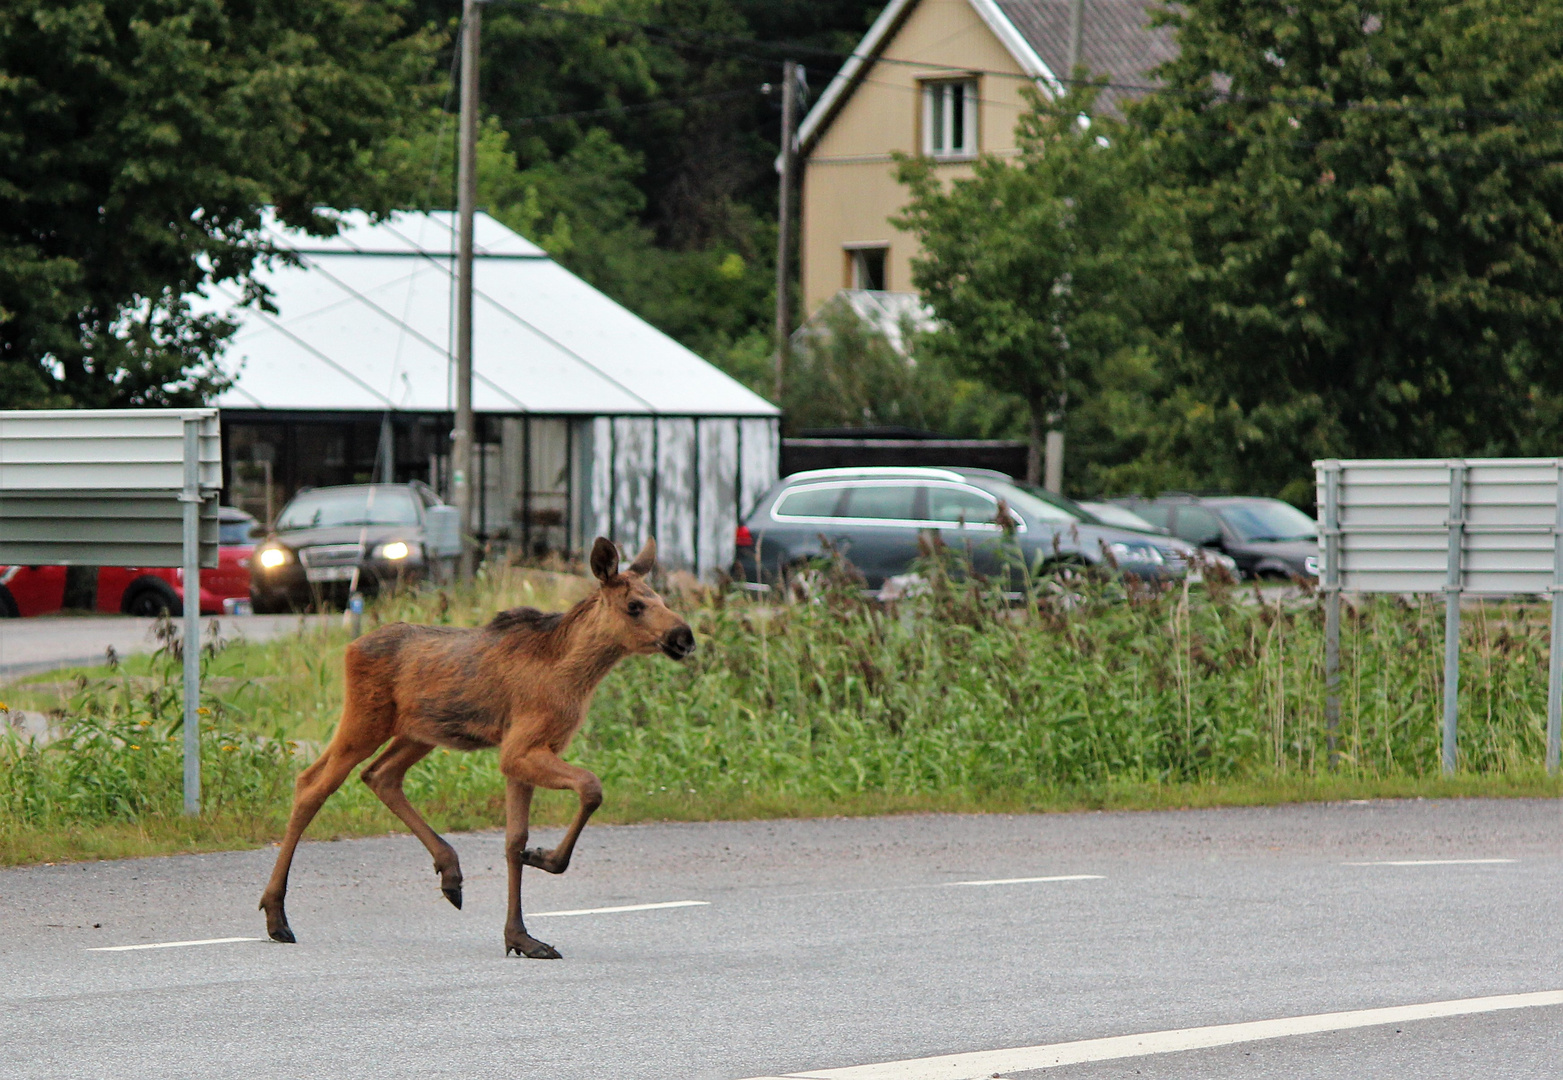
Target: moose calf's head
point(637, 614)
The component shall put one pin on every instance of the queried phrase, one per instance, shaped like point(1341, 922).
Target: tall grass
point(957, 697)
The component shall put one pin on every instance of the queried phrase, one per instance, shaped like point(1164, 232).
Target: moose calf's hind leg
point(314, 786)
point(384, 778)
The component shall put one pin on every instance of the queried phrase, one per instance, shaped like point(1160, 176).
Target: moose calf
point(522, 683)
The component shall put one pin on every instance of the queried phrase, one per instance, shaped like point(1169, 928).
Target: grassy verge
point(1089, 697)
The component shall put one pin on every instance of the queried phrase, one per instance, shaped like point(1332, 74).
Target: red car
point(37, 590)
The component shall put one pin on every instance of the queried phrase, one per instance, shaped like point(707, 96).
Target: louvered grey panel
point(102, 487)
point(1394, 524)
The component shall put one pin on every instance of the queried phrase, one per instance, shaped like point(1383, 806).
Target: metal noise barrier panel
point(119, 487)
point(1483, 526)
point(104, 488)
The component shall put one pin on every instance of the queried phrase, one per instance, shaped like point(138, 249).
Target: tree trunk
point(1034, 450)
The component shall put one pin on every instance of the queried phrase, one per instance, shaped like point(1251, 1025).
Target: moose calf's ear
point(605, 559)
point(646, 559)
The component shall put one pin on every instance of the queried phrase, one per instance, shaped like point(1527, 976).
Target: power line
point(647, 106)
point(697, 38)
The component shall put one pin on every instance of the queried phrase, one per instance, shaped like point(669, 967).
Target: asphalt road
point(47, 642)
point(819, 945)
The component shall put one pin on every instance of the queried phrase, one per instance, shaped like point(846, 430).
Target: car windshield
point(327, 507)
point(1032, 506)
point(1269, 519)
point(234, 533)
point(1122, 517)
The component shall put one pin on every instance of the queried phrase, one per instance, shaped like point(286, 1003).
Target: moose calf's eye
point(635, 608)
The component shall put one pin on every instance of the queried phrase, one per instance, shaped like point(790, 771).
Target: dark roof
point(1116, 39)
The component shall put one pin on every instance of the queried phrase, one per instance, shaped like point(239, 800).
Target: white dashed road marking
point(172, 944)
point(626, 907)
point(987, 1063)
point(1431, 862)
point(1028, 880)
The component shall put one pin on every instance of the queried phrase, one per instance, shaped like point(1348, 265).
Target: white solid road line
point(626, 907)
point(987, 1063)
point(171, 944)
point(1431, 862)
point(1028, 880)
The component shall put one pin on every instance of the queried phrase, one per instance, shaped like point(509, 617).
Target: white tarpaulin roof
point(366, 322)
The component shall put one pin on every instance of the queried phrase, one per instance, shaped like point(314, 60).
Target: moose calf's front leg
point(588, 788)
point(518, 808)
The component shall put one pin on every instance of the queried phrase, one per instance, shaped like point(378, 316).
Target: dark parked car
point(1267, 537)
point(875, 517)
point(329, 540)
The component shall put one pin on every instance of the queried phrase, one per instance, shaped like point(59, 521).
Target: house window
point(866, 267)
point(950, 118)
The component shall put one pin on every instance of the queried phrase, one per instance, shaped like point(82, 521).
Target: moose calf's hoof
point(543, 860)
point(531, 948)
point(284, 935)
point(453, 894)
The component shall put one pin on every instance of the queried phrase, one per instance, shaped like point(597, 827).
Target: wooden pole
point(786, 225)
point(466, 201)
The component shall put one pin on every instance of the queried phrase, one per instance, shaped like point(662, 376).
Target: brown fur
point(522, 683)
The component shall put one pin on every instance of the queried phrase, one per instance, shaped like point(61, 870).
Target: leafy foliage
point(1038, 267)
point(140, 141)
point(1374, 193)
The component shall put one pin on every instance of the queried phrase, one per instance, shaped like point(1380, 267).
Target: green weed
point(1089, 693)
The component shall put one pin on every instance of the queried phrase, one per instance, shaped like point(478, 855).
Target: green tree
point(141, 141)
point(1374, 193)
point(1039, 267)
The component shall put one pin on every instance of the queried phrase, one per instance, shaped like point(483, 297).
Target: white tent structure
point(589, 420)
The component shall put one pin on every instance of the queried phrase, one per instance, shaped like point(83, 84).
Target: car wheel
point(8, 608)
point(150, 599)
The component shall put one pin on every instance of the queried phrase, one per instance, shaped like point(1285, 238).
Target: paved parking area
point(47, 642)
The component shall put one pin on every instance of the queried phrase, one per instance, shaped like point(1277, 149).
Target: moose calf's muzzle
point(679, 642)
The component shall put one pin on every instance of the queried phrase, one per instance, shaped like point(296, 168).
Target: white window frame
point(938, 95)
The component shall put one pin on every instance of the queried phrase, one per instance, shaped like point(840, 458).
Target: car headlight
point(272, 557)
point(397, 551)
point(1135, 553)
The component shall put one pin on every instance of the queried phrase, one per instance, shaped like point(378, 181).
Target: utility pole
point(1072, 57)
point(1053, 456)
point(786, 224)
point(466, 200)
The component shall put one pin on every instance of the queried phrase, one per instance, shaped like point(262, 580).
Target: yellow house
point(941, 78)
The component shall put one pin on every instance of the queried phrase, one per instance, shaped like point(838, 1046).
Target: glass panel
point(869, 269)
point(1270, 520)
point(809, 502)
point(1028, 505)
point(958, 118)
point(882, 501)
point(1197, 525)
point(961, 505)
point(328, 507)
point(1156, 515)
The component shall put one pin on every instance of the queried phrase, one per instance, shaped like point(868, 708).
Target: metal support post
point(1554, 651)
point(1452, 588)
point(191, 498)
point(1332, 578)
